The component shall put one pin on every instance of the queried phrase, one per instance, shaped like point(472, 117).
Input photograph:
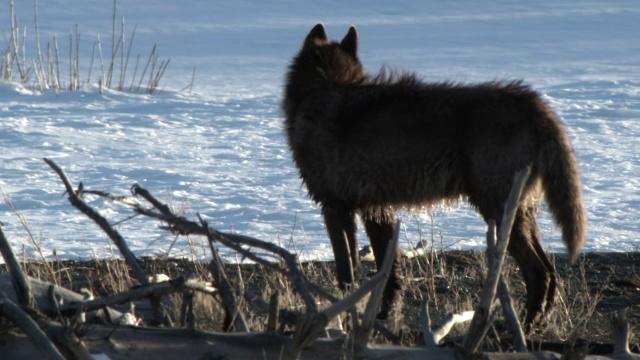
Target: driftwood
point(161, 344)
point(126, 342)
point(42, 292)
point(36, 336)
point(620, 333)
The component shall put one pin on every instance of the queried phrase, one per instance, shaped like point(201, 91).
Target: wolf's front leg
point(341, 227)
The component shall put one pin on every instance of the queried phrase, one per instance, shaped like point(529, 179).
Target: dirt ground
point(451, 281)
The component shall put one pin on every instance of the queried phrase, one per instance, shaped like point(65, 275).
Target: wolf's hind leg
point(538, 272)
point(380, 231)
point(341, 227)
point(536, 241)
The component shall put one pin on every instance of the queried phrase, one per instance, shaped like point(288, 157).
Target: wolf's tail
point(562, 185)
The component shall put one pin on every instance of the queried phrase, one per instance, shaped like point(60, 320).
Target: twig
point(232, 314)
point(297, 278)
point(126, 64)
point(427, 336)
point(274, 313)
point(188, 318)
point(190, 86)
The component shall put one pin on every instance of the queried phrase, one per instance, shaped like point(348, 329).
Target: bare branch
point(75, 198)
point(510, 315)
point(232, 314)
point(145, 291)
point(480, 323)
point(433, 337)
point(233, 241)
point(366, 326)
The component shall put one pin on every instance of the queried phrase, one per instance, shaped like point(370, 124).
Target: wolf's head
point(331, 62)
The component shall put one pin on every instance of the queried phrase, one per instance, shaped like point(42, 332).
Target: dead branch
point(232, 314)
point(75, 198)
point(41, 295)
point(309, 330)
point(433, 337)
point(13, 313)
point(181, 225)
point(480, 323)
point(509, 312)
point(18, 277)
point(233, 241)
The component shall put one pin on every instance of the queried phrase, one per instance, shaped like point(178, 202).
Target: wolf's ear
point(350, 42)
point(317, 34)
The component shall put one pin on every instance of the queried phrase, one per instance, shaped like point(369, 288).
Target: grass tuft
point(43, 72)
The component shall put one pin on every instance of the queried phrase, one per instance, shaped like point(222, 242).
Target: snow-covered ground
point(220, 151)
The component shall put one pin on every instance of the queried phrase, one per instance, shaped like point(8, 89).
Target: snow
point(220, 151)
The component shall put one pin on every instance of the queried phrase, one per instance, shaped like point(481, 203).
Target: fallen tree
point(60, 328)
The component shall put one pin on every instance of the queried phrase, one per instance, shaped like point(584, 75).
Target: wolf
point(371, 145)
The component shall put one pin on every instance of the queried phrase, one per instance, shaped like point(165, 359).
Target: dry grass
point(448, 281)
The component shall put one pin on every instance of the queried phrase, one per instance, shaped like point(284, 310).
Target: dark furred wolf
point(371, 145)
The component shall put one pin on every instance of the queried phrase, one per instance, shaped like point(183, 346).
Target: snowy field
point(220, 151)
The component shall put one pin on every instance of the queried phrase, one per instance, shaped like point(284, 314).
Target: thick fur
point(371, 145)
